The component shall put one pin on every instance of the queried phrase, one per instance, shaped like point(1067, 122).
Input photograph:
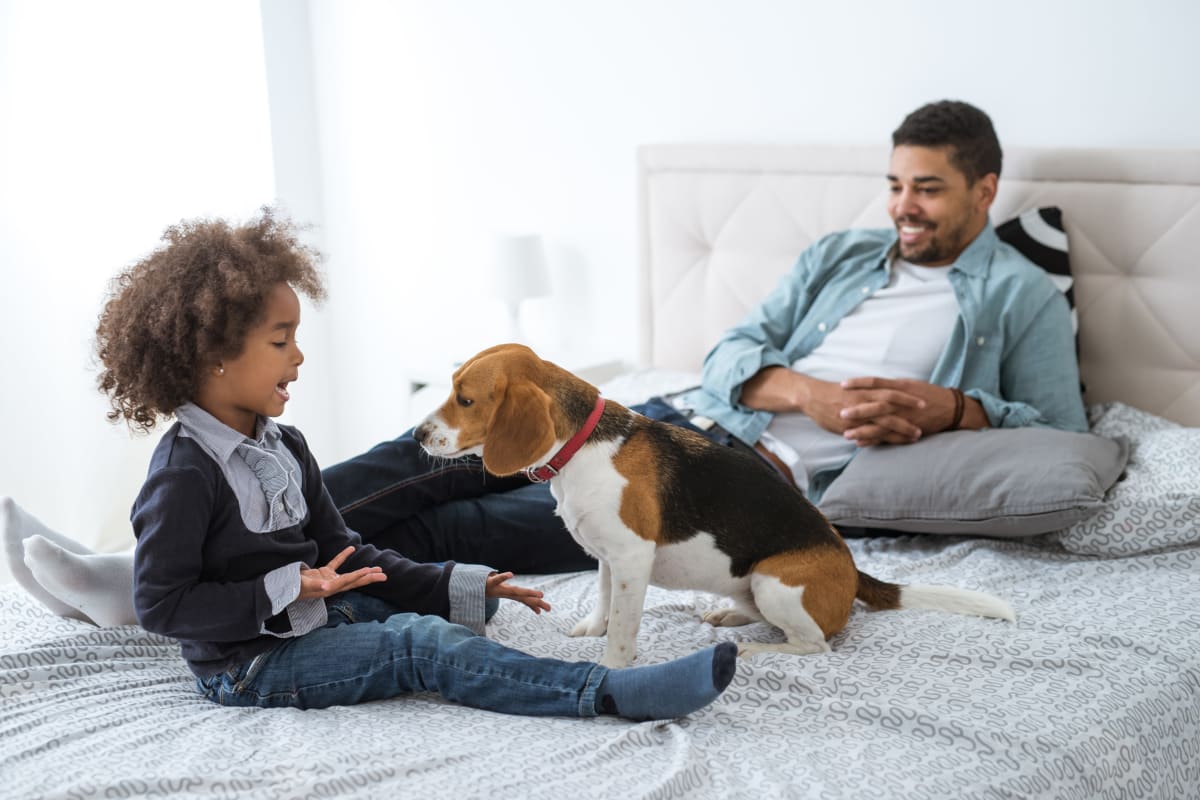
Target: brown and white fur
point(656, 503)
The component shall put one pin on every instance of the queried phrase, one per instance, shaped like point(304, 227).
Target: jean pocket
point(223, 686)
point(217, 687)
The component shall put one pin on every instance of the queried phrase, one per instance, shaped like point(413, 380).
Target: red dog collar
point(550, 469)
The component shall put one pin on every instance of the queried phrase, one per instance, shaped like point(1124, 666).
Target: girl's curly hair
point(189, 305)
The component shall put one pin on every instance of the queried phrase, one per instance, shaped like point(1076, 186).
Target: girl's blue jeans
point(368, 651)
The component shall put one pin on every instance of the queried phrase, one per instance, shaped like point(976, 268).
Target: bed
point(1093, 692)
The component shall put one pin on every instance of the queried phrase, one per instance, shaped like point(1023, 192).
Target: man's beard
point(928, 254)
point(940, 247)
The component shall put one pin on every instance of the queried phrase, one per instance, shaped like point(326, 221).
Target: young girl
point(241, 555)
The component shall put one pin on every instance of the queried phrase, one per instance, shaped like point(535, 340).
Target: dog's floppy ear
point(521, 430)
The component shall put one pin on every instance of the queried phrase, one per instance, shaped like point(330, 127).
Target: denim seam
point(587, 695)
point(395, 487)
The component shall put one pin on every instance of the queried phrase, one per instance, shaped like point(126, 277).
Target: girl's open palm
point(498, 586)
point(326, 582)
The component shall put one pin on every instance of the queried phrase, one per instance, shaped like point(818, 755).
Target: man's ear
point(520, 430)
point(985, 189)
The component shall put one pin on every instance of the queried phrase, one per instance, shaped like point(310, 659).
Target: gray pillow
point(995, 482)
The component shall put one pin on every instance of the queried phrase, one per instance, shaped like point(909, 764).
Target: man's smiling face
point(936, 212)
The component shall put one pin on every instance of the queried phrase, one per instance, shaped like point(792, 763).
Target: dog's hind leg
point(807, 594)
point(743, 612)
point(783, 606)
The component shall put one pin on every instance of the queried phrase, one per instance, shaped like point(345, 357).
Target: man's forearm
point(777, 389)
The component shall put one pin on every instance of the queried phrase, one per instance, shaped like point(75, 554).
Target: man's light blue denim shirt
point(1012, 349)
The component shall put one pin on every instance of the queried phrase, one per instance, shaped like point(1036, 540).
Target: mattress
point(1093, 692)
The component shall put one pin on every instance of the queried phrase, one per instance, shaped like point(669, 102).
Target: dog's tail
point(880, 595)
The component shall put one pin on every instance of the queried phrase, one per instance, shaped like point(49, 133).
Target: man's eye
point(280, 345)
point(463, 401)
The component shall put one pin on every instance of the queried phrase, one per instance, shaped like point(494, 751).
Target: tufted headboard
point(721, 223)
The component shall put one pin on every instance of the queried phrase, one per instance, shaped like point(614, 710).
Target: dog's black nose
point(421, 432)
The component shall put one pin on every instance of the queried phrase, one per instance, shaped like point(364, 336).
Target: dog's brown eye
point(463, 401)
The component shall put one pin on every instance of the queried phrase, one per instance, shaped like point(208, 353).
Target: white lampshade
point(520, 270)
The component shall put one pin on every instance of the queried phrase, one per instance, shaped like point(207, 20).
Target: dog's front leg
point(630, 576)
point(596, 623)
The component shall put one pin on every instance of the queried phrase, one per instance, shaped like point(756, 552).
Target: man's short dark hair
point(967, 131)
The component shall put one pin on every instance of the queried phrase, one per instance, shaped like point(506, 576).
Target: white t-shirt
point(898, 332)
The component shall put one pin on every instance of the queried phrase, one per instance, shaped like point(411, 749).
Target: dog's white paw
point(728, 618)
point(590, 625)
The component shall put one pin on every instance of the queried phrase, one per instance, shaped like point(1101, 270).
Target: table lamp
point(519, 273)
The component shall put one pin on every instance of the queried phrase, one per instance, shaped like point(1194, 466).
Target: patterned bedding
point(1093, 693)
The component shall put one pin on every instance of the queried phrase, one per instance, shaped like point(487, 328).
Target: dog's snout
point(433, 437)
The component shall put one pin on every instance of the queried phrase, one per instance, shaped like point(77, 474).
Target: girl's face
point(255, 383)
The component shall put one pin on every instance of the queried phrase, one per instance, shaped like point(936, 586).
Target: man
point(886, 336)
point(876, 336)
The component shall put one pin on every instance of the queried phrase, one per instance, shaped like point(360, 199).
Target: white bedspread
point(1094, 692)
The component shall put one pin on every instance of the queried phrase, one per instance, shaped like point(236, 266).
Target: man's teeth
point(912, 228)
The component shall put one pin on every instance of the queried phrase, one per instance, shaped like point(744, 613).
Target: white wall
point(439, 123)
point(442, 122)
point(116, 120)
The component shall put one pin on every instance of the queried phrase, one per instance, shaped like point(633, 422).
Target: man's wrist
point(975, 417)
point(801, 391)
point(959, 407)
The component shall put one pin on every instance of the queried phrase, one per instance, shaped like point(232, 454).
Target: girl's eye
point(280, 345)
point(463, 401)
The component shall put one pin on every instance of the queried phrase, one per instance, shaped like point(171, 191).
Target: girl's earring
point(220, 370)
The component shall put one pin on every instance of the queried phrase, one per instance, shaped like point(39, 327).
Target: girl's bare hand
point(498, 586)
point(326, 581)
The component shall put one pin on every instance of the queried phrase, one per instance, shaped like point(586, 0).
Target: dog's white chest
point(589, 499)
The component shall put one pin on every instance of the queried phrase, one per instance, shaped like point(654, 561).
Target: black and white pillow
point(1039, 235)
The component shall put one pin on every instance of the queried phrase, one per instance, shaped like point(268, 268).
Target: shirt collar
point(221, 439)
point(977, 258)
point(974, 260)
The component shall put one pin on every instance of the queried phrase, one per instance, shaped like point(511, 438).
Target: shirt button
point(866, 290)
point(981, 341)
point(821, 326)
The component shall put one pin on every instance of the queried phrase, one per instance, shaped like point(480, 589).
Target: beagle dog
point(657, 503)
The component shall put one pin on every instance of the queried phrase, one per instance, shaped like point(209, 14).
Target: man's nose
point(905, 203)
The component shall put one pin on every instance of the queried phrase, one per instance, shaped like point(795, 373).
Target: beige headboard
point(721, 223)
